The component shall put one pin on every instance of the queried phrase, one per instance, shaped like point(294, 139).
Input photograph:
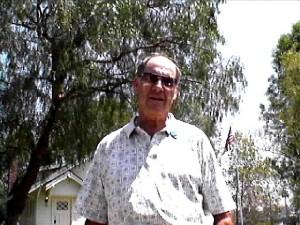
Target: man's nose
point(158, 84)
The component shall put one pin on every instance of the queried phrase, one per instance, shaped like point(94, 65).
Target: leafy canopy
point(283, 114)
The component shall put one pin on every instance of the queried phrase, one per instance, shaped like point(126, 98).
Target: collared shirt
point(171, 178)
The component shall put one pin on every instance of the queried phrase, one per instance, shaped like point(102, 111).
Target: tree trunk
point(20, 190)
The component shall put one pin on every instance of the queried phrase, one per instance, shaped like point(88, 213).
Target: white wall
point(67, 187)
point(43, 210)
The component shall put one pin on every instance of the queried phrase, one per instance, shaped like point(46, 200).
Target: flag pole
point(239, 208)
point(227, 143)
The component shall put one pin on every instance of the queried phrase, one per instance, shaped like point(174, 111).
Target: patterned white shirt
point(171, 178)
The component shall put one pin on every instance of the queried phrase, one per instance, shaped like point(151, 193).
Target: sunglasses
point(153, 79)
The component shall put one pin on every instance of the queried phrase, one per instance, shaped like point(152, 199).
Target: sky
point(252, 29)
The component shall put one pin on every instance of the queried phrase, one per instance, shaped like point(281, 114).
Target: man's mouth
point(156, 99)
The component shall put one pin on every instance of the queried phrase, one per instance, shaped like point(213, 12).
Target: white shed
point(51, 200)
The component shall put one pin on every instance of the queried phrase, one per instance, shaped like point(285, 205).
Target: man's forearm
point(224, 219)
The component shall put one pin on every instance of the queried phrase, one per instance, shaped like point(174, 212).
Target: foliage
point(257, 181)
point(66, 78)
point(283, 114)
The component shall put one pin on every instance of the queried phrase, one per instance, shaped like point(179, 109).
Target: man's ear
point(135, 85)
point(176, 93)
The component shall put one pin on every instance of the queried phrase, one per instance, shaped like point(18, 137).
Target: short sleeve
point(216, 193)
point(91, 202)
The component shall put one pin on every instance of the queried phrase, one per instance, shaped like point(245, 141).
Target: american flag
point(230, 140)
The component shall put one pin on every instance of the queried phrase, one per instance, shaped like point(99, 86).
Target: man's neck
point(151, 126)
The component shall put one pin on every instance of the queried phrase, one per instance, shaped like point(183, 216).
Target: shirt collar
point(170, 129)
point(130, 127)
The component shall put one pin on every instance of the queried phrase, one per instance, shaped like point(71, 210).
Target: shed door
point(61, 211)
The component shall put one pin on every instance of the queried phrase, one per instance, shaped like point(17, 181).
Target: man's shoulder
point(116, 135)
point(186, 128)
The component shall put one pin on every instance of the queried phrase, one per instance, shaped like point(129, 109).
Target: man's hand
point(224, 219)
point(89, 222)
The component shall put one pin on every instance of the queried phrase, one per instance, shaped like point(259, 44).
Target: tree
point(258, 183)
point(283, 114)
point(69, 66)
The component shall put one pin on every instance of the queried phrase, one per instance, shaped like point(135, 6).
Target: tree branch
point(23, 24)
point(109, 88)
point(122, 54)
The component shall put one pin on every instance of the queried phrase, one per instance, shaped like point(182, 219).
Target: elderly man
point(156, 169)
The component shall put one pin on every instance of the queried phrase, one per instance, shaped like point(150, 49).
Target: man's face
point(156, 89)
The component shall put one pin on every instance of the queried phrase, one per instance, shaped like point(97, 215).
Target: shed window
point(62, 205)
